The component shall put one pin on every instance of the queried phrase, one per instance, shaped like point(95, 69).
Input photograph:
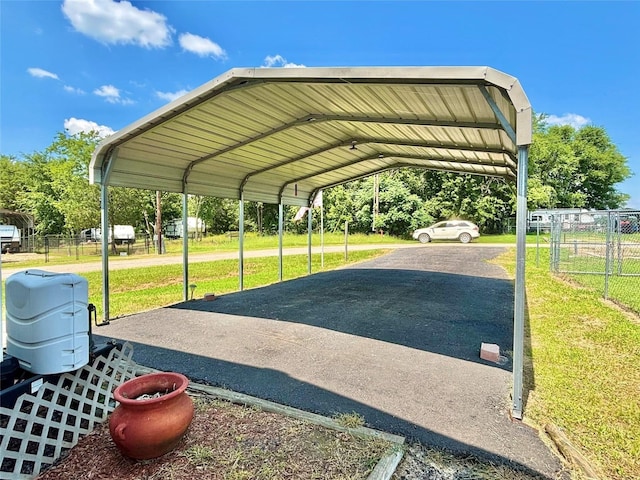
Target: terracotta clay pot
point(151, 427)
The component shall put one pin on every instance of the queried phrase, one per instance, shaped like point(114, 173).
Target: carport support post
point(1, 306)
point(185, 242)
point(520, 293)
point(241, 243)
point(309, 226)
point(104, 225)
point(280, 237)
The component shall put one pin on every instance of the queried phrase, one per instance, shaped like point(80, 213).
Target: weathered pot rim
point(150, 383)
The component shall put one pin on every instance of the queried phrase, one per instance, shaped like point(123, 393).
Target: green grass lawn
point(138, 289)
point(588, 271)
point(585, 356)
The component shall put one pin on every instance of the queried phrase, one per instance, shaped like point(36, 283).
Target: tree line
point(568, 168)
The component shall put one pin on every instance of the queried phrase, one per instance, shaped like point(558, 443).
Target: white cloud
point(171, 96)
point(112, 95)
point(70, 89)
point(112, 22)
point(109, 92)
point(573, 119)
point(201, 46)
point(40, 73)
point(280, 61)
point(76, 125)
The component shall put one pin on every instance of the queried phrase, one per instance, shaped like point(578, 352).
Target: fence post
point(608, 255)
point(555, 244)
point(620, 243)
point(538, 244)
point(346, 240)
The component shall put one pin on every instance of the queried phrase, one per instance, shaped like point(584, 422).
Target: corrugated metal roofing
point(283, 134)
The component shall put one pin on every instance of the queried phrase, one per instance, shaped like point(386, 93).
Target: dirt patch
point(228, 441)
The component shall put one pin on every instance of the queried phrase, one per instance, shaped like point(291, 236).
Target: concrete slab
point(395, 339)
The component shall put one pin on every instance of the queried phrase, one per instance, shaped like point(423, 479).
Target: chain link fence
point(78, 246)
point(599, 250)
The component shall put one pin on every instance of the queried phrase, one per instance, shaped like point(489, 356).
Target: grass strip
point(584, 362)
point(90, 252)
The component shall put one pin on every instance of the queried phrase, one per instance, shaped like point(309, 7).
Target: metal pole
point(538, 245)
point(519, 297)
point(346, 240)
point(553, 244)
point(608, 254)
point(241, 243)
point(619, 243)
point(185, 241)
point(1, 307)
point(104, 226)
point(280, 239)
point(322, 236)
point(159, 222)
point(310, 231)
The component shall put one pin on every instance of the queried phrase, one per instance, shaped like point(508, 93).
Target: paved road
point(395, 339)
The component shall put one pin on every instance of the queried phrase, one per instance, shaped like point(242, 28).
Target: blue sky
point(100, 64)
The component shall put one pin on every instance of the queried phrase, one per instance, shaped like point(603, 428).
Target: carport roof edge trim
point(238, 78)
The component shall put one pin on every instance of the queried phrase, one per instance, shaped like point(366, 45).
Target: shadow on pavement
point(444, 313)
point(279, 387)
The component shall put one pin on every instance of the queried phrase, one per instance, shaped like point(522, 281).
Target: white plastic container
point(47, 321)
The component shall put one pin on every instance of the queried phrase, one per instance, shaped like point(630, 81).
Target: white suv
point(448, 230)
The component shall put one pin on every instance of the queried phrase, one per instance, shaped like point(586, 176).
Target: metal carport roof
point(281, 135)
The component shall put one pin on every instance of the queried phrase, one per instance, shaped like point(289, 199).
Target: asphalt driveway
point(395, 339)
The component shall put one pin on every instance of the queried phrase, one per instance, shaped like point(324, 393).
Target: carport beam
point(185, 242)
point(104, 225)
point(309, 225)
point(280, 239)
point(241, 243)
point(519, 295)
point(104, 220)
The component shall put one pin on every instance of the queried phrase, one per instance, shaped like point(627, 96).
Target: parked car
point(629, 224)
point(448, 230)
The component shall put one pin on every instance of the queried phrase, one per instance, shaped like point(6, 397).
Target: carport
point(280, 136)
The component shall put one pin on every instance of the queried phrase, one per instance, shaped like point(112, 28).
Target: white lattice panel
point(43, 426)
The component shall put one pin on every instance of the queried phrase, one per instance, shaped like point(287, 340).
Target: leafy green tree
point(39, 197)
point(12, 182)
point(220, 214)
point(68, 160)
point(571, 168)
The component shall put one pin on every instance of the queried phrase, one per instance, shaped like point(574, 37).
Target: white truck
point(9, 239)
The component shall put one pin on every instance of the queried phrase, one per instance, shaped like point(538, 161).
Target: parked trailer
point(10, 239)
point(122, 234)
point(173, 229)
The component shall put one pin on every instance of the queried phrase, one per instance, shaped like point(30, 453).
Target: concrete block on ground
point(490, 352)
